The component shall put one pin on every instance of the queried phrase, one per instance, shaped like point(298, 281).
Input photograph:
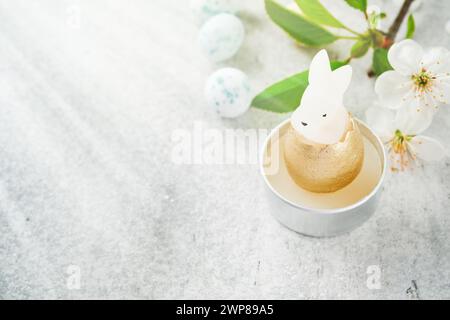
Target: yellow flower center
point(399, 145)
point(423, 81)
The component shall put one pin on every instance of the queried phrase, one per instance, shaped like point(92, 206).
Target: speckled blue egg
point(205, 9)
point(228, 92)
point(221, 37)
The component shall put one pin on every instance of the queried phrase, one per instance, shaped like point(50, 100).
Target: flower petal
point(413, 122)
point(442, 89)
point(392, 88)
point(381, 121)
point(427, 148)
point(436, 60)
point(432, 100)
point(405, 57)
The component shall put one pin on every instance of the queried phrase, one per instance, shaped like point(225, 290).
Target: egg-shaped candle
point(228, 92)
point(221, 37)
point(205, 9)
point(323, 149)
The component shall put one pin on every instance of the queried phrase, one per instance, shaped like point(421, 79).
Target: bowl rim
point(318, 210)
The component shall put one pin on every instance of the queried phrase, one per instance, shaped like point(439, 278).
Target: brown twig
point(393, 30)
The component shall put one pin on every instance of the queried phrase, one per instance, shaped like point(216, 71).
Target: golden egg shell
point(324, 168)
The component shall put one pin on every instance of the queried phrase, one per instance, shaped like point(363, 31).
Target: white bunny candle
point(324, 150)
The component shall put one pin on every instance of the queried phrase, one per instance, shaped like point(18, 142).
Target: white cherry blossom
point(420, 81)
point(401, 133)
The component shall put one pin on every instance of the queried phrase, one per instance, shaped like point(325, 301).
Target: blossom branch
point(393, 30)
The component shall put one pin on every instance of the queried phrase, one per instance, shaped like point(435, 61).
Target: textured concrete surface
point(88, 190)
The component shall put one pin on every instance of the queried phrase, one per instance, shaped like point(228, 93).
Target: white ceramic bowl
point(323, 222)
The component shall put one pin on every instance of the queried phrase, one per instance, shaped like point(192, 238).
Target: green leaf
point(358, 4)
point(380, 62)
point(360, 48)
point(314, 10)
point(285, 95)
point(298, 26)
point(411, 27)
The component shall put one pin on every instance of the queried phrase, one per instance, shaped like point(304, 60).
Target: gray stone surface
point(88, 108)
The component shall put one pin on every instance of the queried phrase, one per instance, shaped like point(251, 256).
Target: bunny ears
point(321, 116)
point(320, 74)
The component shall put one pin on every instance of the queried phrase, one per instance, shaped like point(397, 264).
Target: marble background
point(90, 94)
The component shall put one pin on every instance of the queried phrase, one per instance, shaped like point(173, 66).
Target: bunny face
point(321, 116)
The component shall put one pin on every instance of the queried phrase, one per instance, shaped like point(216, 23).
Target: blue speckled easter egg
point(205, 9)
point(221, 36)
point(228, 92)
